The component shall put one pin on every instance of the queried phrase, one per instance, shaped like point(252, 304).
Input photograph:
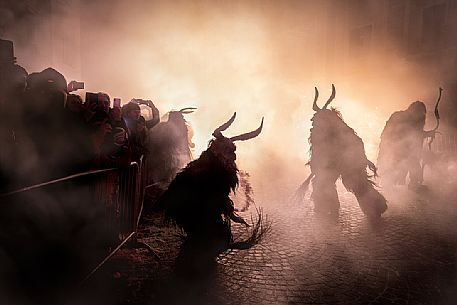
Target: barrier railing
point(146, 177)
point(88, 213)
point(130, 199)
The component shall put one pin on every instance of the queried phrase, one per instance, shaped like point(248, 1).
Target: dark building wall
point(432, 43)
point(46, 33)
point(419, 33)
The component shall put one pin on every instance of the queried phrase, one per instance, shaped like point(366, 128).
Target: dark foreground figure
point(337, 152)
point(198, 201)
point(401, 147)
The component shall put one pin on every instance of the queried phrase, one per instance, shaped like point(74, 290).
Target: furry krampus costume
point(169, 145)
point(337, 151)
point(198, 199)
point(401, 147)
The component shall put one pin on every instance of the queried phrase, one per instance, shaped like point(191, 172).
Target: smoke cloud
point(258, 58)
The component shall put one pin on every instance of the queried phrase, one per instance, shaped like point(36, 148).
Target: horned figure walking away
point(169, 145)
point(337, 152)
point(401, 148)
point(198, 201)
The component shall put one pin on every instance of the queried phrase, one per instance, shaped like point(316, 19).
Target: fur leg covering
point(324, 194)
point(372, 203)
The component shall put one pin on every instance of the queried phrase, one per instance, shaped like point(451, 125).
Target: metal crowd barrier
point(146, 175)
point(88, 214)
point(130, 199)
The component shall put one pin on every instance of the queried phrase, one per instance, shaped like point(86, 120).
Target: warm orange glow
point(258, 59)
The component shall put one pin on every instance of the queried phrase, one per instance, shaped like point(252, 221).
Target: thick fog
point(258, 58)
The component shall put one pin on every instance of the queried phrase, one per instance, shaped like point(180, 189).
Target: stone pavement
point(408, 257)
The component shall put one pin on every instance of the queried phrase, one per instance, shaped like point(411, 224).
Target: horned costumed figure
point(337, 152)
point(198, 199)
point(169, 145)
point(401, 148)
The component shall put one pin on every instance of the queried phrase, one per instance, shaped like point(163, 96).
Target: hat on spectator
point(6, 52)
point(51, 75)
point(47, 77)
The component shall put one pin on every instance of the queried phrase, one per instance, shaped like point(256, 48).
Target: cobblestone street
point(409, 257)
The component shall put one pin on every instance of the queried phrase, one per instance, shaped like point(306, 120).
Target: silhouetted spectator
point(137, 125)
point(110, 145)
point(79, 134)
point(49, 146)
point(12, 85)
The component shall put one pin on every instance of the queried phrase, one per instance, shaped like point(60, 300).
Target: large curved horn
point(316, 96)
point(330, 99)
point(248, 135)
point(437, 114)
point(187, 110)
point(217, 132)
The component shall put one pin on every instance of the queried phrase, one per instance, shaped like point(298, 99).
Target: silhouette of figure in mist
point(12, 86)
point(198, 201)
point(137, 125)
point(400, 150)
point(169, 145)
point(337, 152)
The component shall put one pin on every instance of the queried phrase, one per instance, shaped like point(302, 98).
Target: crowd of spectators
point(48, 132)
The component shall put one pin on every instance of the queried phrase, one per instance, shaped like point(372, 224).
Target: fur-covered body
point(198, 198)
point(337, 152)
point(400, 150)
point(169, 148)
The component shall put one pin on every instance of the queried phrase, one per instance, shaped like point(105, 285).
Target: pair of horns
point(316, 96)
point(187, 110)
point(242, 137)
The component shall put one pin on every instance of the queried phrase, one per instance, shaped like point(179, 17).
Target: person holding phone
point(137, 125)
point(110, 144)
point(131, 112)
point(120, 130)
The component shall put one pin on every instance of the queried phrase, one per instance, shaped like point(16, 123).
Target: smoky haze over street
point(256, 58)
point(263, 59)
